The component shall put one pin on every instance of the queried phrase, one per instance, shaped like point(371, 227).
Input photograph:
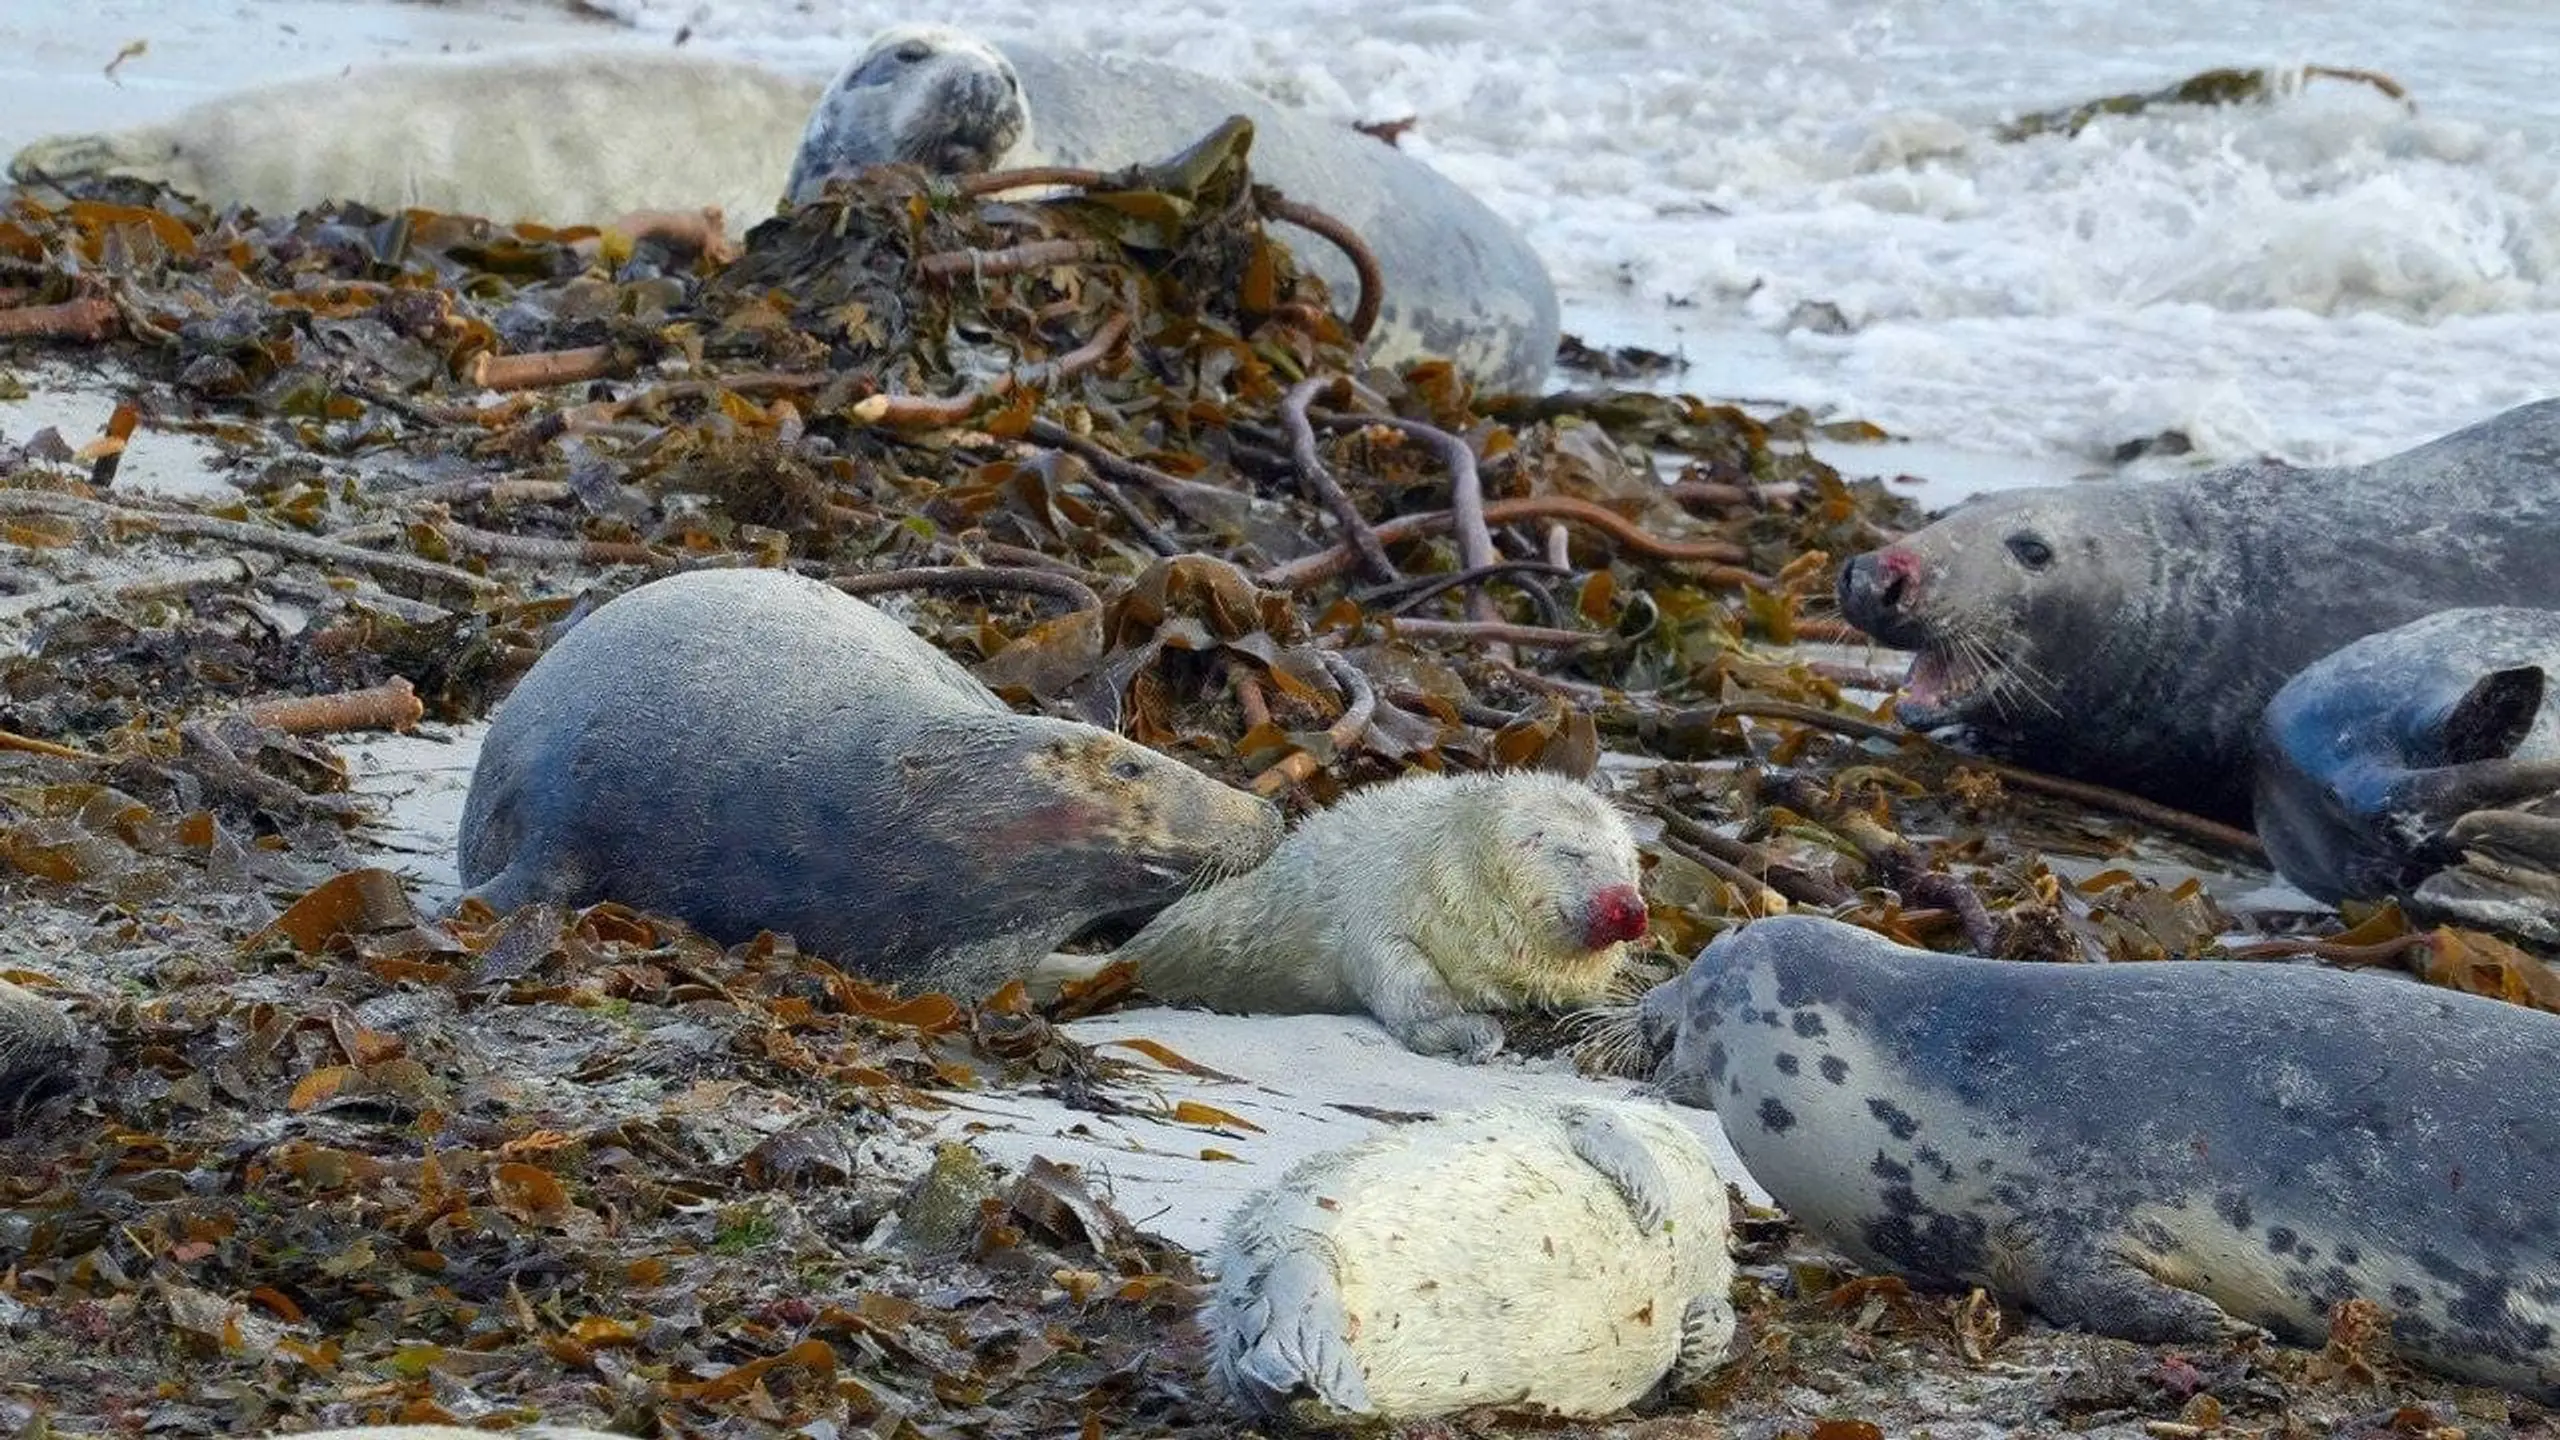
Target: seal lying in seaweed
point(751, 750)
point(2167, 1152)
point(2423, 764)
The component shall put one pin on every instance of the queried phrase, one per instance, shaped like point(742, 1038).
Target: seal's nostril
point(1895, 587)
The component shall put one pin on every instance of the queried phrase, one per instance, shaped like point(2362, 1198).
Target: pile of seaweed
point(329, 1159)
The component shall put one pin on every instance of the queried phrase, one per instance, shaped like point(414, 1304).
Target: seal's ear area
point(2492, 717)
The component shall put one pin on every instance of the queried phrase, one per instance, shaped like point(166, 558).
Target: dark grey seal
point(2162, 1152)
point(2131, 633)
point(751, 750)
point(1460, 282)
point(2423, 765)
point(37, 1047)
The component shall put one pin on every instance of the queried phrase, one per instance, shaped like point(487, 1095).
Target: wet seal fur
point(2423, 764)
point(2060, 1135)
point(37, 1046)
point(561, 137)
point(2132, 632)
point(1423, 902)
point(752, 750)
point(1460, 281)
point(1563, 1255)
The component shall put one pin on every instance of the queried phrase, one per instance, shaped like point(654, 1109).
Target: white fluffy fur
point(1477, 1259)
point(1424, 902)
point(560, 137)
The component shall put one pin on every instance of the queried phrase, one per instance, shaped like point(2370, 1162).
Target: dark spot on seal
point(2405, 1297)
point(2348, 1255)
point(1809, 1025)
point(1834, 1069)
point(1775, 1118)
point(1884, 1168)
point(1770, 1018)
point(1895, 1118)
point(1788, 1064)
point(2232, 1205)
point(1715, 1061)
point(1938, 1164)
point(2280, 1240)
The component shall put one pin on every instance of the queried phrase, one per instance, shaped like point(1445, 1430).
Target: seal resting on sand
point(1460, 282)
point(560, 137)
point(2132, 632)
point(2423, 764)
point(752, 750)
point(37, 1043)
point(2163, 1152)
point(1568, 1256)
point(1424, 902)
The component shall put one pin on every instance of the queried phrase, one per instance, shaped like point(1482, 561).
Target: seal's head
point(1567, 862)
point(2005, 598)
point(926, 95)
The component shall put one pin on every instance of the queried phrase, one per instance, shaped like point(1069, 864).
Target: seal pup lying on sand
point(752, 750)
point(2132, 632)
point(2161, 1152)
point(1460, 281)
point(2411, 765)
point(560, 137)
point(1564, 1255)
point(1424, 902)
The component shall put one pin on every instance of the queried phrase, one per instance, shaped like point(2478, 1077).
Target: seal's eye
point(2031, 550)
point(1129, 769)
point(913, 51)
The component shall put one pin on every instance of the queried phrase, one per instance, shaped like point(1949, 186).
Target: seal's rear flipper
point(2105, 1294)
point(1605, 1143)
point(63, 157)
point(1706, 1338)
point(2492, 717)
point(1288, 1344)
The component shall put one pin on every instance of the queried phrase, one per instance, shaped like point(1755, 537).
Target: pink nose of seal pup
point(1617, 915)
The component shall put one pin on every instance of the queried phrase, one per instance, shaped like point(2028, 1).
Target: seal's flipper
point(1290, 1340)
point(64, 157)
point(2105, 1294)
point(1706, 1338)
point(1605, 1143)
point(1403, 989)
point(2492, 717)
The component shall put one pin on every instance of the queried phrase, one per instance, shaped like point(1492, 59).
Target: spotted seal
point(752, 750)
point(1564, 1255)
point(1425, 902)
point(2423, 764)
point(2132, 632)
point(2165, 1152)
point(1460, 281)
point(559, 136)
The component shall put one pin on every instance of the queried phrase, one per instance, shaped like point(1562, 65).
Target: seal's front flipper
point(1289, 1343)
point(1706, 1338)
point(1404, 991)
point(2103, 1293)
point(1606, 1144)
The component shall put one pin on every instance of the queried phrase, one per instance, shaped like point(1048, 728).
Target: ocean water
point(1809, 203)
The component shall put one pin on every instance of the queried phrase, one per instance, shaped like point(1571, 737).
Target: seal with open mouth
point(2132, 632)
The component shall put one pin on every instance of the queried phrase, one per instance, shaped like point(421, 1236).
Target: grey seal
point(37, 1046)
point(2165, 1152)
point(752, 750)
point(1460, 281)
point(1566, 1255)
point(2423, 764)
point(2131, 633)
point(1424, 902)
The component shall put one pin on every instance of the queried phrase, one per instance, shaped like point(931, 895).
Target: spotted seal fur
point(2422, 764)
point(1564, 1255)
point(2165, 1152)
point(753, 750)
point(2132, 632)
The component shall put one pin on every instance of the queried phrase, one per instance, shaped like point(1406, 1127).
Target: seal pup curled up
point(1424, 902)
point(1565, 1255)
point(753, 750)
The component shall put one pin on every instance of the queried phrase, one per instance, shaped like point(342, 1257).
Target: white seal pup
point(1424, 902)
point(2166, 1152)
point(1460, 281)
point(2132, 632)
point(753, 750)
point(1569, 1256)
point(2423, 764)
point(559, 137)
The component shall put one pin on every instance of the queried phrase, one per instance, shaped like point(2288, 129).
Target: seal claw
point(1606, 1144)
point(1706, 1338)
point(1298, 1350)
